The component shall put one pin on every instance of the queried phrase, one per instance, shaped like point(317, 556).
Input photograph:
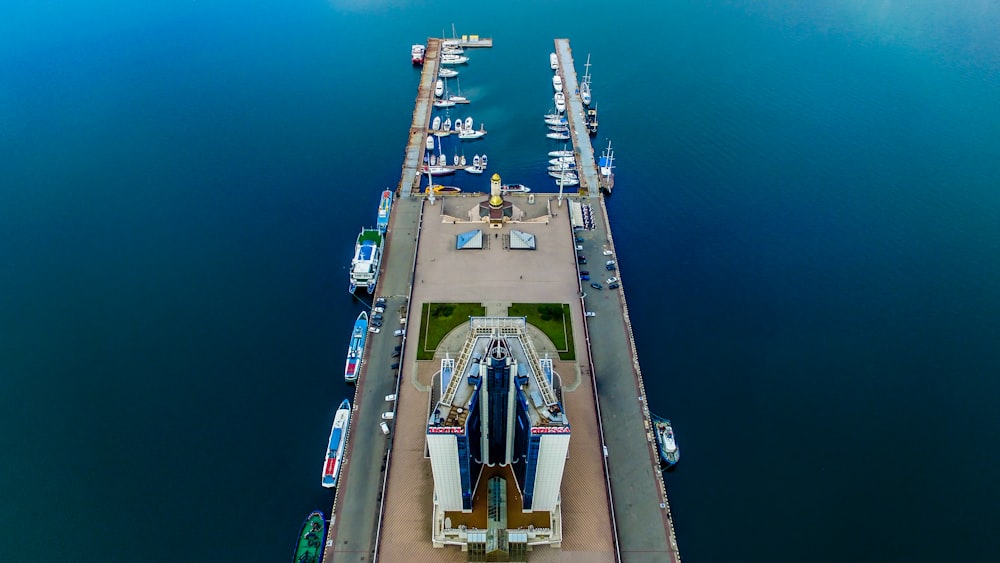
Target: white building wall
point(552, 449)
point(444, 464)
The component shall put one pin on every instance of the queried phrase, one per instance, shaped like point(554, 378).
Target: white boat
point(439, 88)
point(560, 120)
point(433, 159)
point(429, 144)
point(447, 72)
point(565, 174)
point(562, 153)
point(514, 188)
point(454, 160)
point(367, 260)
point(558, 127)
point(585, 84)
point(568, 181)
point(335, 449)
point(452, 50)
point(553, 61)
point(560, 100)
point(561, 160)
point(440, 103)
point(417, 54)
point(461, 161)
point(553, 116)
point(454, 59)
point(458, 98)
point(436, 123)
point(606, 168)
point(557, 83)
point(565, 167)
point(484, 160)
point(476, 161)
point(437, 170)
point(468, 123)
point(447, 124)
point(458, 125)
point(558, 135)
point(469, 134)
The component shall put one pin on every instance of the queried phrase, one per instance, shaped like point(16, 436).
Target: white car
point(590, 314)
point(374, 329)
point(400, 332)
point(607, 252)
point(384, 427)
point(390, 398)
point(388, 415)
point(611, 280)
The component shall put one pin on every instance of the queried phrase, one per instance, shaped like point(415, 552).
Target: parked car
point(590, 314)
point(579, 239)
point(380, 301)
point(611, 281)
point(383, 427)
point(374, 329)
point(579, 247)
point(377, 317)
point(607, 252)
point(389, 415)
point(399, 332)
point(584, 273)
point(595, 285)
point(585, 278)
point(610, 263)
point(395, 353)
point(395, 365)
point(390, 398)
point(376, 323)
point(613, 286)
point(379, 309)
point(397, 347)
point(581, 260)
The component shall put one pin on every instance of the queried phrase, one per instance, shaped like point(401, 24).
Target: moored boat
point(356, 349)
point(429, 143)
point(514, 188)
point(447, 189)
point(438, 170)
point(560, 100)
point(562, 153)
point(556, 120)
point(441, 103)
point(312, 539)
point(417, 54)
point(447, 72)
point(670, 454)
point(335, 449)
point(436, 123)
point(558, 135)
point(439, 87)
point(454, 59)
point(606, 168)
point(553, 61)
point(384, 206)
point(585, 84)
point(367, 260)
point(557, 84)
point(591, 121)
point(561, 160)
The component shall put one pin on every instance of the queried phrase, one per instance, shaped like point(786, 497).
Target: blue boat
point(384, 207)
point(335, 451)
point(356, 349)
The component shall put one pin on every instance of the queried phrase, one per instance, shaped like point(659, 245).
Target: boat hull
point(312, 539)
point(335, 448)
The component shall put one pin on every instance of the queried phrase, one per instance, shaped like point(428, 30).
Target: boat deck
point(576, 116)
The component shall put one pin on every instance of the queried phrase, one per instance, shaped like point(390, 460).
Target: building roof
point(520, 240)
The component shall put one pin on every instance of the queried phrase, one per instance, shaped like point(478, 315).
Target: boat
point(447, 189)
point(454, 59)
point(606, 168)
point(561, 160)
point(567, 174)
point(585, 84)
point(436, 124)
point(438, 170)
point(562, 153)
point(442, 103)
point(384, 206)
point(485, 160)
point(670, 454)
point(556, 120)
point(439, 87)
point(475, 169)
point(554, 116)
point(447, 73)
point(566, 180)
point(591, 121)
point(452, 50)
point(514, 188)
point(558, 127)
point(560, 100)
point(338, 438)
point(429, 143)
point(312, 537)
point(476, 161)
point(566, 167)
point(417, 54)
point(367, 260)
point(470, 134)
point(468, 123)
point(557, 83)
point(461, 161)
point(356, 349)
point(458, 98)
point(446, 125)
point(553, 61)
point(558, 135)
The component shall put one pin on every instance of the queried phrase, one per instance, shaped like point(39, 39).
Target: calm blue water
point(807, 212)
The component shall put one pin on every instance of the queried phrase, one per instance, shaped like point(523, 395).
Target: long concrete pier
point(614, 498)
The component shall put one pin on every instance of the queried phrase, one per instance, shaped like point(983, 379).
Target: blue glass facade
point(534, 442)
point(464, 468)
point(498, 385)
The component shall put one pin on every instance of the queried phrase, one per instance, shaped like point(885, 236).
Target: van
point(388, 415)
point(384, 428)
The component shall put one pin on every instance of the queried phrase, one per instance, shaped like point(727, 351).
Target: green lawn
point(554, 320)
point(438, 319)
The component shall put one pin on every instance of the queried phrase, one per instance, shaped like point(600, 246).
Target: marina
point(418, 266)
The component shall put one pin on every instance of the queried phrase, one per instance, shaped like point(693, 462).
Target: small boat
point(452, 50)
point(557, 120)
point(436, 124)
point(356, 349)
point(429, 144)
point(561, 154)
point(585, 84)
point(454, 59)
point(335, 450)
point(454, 160)
point(484, 160)
point(476, 161)
point(558, 127)
point(558, 135)
point(439, 87)
point(458, 125)
point(461, 161)
point(446, 125)
point(560, 100)
point(567, 180)
point(438, 170)
point(468, 123)
point(514, 188)
point(417, 54)
point(384, 207)
point(475, 169)
point(561, 160)
point(312, 535)
point(591, 121)
point(470, 134)
point(441, 103)
point(557, 83)
point(567, 167)
point(553, 61)
point(670, 454)
point(433, 160)
point(567, 174)
point(447, 189)
point(554, 116)
point(447, 72)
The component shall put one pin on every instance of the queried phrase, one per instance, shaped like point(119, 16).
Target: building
point(498, 438)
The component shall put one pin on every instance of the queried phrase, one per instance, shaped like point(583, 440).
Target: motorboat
point(454, 160)
point(564, 167)
point(441, 103)
point(436, 123)
point(553, 61)
point(438, 170)
point(454, 59)
point(558, 135)
point(561, 160)
point(439, 87)
point(514, 188)
point(447, 72)
point(476, 161)
point(591, 121)
point(557, 84)
point(485, 160)
point(562, 153)
point(469, 134)
point(461, 161)
point(446, 125)
point(468, 123)
point(417, 54)
point(560, 100)
point(429, 144)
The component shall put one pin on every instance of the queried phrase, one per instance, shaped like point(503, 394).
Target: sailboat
point(585, 84)
point(459, 99)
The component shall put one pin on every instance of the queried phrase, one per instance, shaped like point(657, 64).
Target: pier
point(614, 503)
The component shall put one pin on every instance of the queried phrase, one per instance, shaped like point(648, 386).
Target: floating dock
point(614, 503)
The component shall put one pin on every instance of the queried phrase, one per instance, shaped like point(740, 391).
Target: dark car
point(579, 239)
point(398, 347)
point(610, 267)
point(584, 273)
point(613, 286)
point(585, 278)
point(395, 354)
point(595, 285)
point(376, 323)
point(395, 365)
point(377, 317)
point(581, 260)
